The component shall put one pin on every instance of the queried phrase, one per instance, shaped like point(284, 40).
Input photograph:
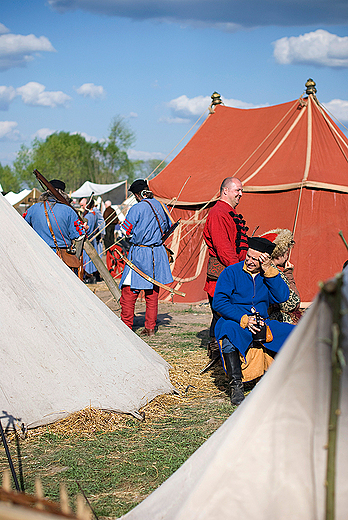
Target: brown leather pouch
point(215, 268)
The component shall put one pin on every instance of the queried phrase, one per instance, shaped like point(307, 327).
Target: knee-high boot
point(234, 372)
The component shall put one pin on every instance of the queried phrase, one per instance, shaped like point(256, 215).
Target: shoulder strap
point(167, 212)
point(154, 212)
point(51, 230)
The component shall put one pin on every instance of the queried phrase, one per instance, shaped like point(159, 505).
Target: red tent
point(293, 162)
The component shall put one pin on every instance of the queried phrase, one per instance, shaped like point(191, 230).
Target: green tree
point(148, 169)
point(113, 152)
point(74, 160)
point(8, 179)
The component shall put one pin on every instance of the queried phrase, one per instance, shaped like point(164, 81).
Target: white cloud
point(185, 106)
point(7, 94)
point(91, 90)
point(8, 130)
point(43, 133)
point(137, 155)
point(337, 108)
point(89, 138)
point(186, 110)
point(3, 29)
point(174, 120)
point(319, 48)
point(133, 115)
point(16, 50)
point(34, 94)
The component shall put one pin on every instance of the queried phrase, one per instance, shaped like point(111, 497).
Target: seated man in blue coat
point(243, 293)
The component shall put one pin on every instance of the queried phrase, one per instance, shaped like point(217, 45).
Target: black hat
point(59, 185)
point(261, 244)
point(138, 186)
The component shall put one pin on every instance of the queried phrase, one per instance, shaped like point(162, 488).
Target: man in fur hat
point(243, 293)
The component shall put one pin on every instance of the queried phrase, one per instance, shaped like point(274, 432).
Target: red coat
point(225, 236)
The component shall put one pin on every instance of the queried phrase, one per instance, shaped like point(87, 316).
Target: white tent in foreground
point(62, 349)
point(268, 460)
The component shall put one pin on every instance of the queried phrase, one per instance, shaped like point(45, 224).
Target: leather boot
point(234, 372)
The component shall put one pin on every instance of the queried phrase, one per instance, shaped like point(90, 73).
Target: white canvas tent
point(62, 349)
point(22, 200)
point(116, 193)
point(268, 460)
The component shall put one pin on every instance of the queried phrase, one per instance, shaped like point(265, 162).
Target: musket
point(171, 230)
point(147, 277)
point(88, 247)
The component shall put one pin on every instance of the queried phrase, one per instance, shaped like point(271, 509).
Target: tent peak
point(310, 87)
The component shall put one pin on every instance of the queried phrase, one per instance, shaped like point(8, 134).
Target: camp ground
point(62, 349)
point(292, 161)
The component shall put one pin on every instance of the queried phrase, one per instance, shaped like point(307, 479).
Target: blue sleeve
point(75, 228)
point(131, 220)
point(225, 287)
point(279, 290)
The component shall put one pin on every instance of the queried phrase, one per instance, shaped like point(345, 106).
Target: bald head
point(231, 191)
point(107, 203)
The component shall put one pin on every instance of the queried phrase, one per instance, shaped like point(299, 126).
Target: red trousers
point(128, 299)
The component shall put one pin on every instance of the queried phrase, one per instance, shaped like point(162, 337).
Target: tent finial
point(310, 87)
point(215, 99)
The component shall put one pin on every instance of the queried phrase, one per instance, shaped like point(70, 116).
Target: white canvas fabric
point(268, 460)
point(62, 349)
point(88, 188)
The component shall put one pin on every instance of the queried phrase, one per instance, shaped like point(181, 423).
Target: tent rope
point(322, 109)
point(200, 117)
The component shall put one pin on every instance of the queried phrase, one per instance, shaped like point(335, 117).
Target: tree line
point(72, 159)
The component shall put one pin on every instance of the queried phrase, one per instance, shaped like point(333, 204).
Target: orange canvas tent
point(293, 162)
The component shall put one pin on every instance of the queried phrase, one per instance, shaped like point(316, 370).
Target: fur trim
point(284, 241)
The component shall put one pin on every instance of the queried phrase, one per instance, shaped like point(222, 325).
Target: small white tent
point(268, 460)
point(62, 349)
point(116, 193)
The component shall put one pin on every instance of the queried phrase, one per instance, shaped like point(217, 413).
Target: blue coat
point(142, 226)
point(236, 292)
point(64, 221)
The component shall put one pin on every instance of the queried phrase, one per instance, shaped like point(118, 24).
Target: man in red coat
point(225, 236)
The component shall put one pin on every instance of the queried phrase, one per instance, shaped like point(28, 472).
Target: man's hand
point(288, 265)
point(252, 324)
point(265, 261)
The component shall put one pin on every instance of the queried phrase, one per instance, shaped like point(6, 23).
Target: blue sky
point(73, 65)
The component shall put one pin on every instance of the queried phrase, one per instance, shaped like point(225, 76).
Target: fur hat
point(283, 240)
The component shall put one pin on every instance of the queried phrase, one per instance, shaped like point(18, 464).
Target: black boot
point(234, 373)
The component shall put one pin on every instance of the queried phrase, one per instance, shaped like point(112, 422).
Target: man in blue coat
point(145, 224)
point(63, 220)
point(243, 293)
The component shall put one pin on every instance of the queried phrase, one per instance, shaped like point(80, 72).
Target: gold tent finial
point(310, 87)
point(215, 99)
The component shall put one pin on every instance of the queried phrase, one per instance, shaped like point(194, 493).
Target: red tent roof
point(292, 161)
